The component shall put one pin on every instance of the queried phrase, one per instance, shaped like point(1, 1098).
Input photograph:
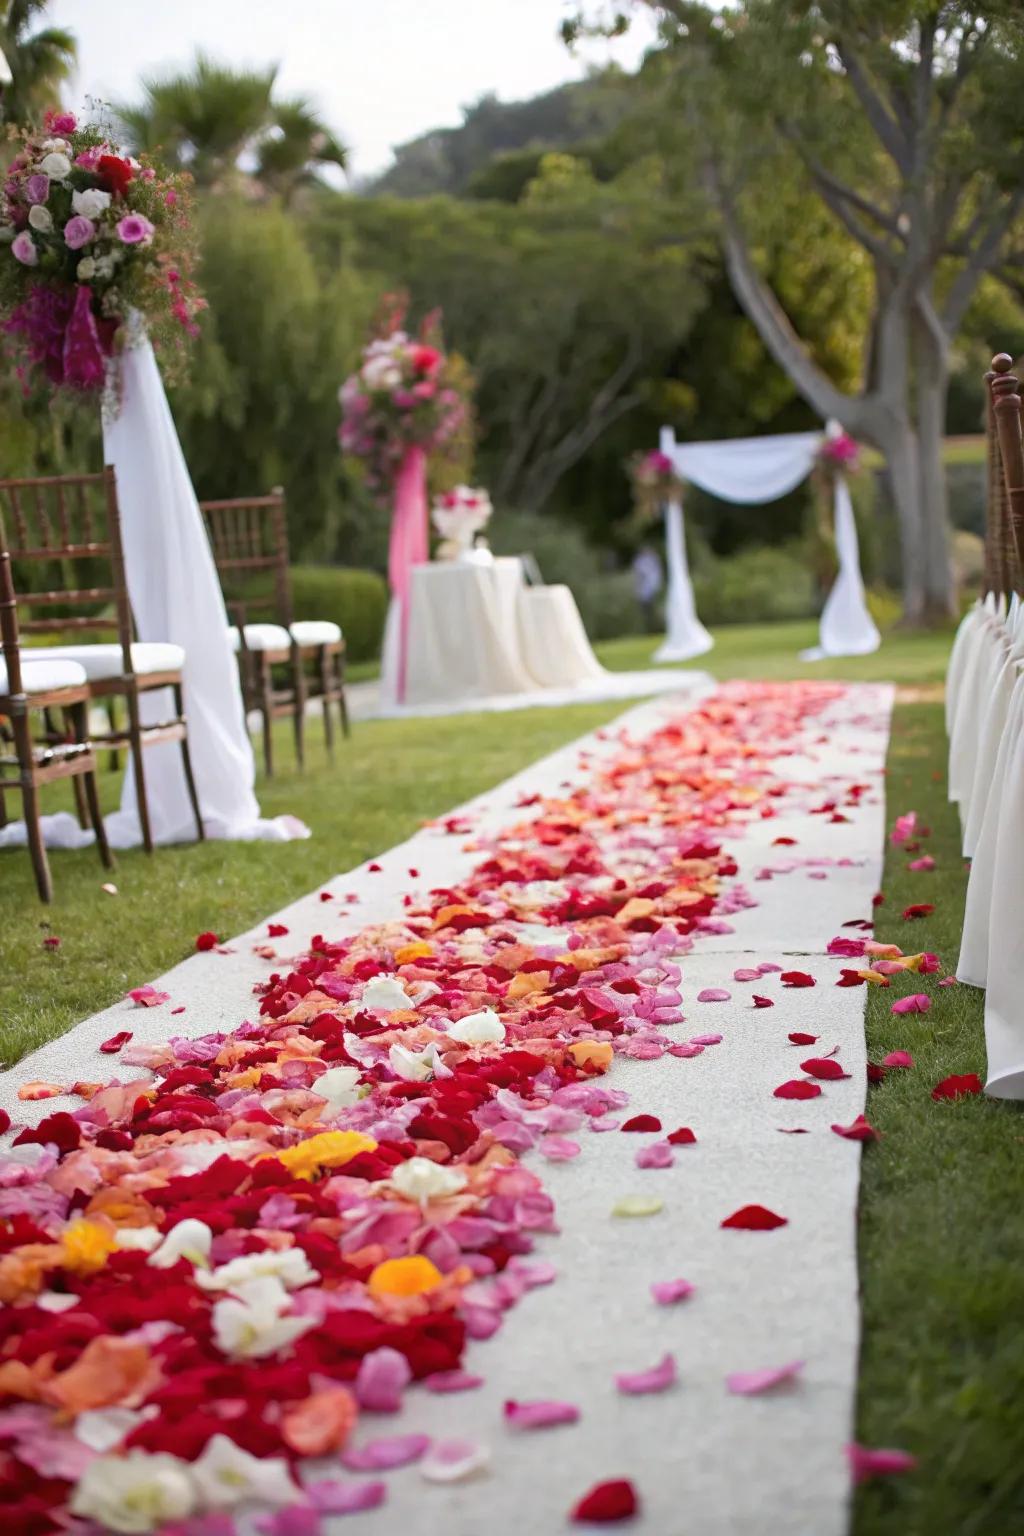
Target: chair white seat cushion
point(41, 676)
point(315, 632)
point(103, 661)
point(261, 637)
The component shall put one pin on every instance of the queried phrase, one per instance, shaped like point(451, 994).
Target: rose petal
point(858, 1130)
point(684, 1137)
point(667, 1292)
point(657, 1378)
point(333, 1497)
point(382, 1377)
point(452, 1381)
point(799, 1038)
point(637, 1205)
point(917, 1002)
point(797, 979)
point(957, 1087)
point(657, 1155)
point(450, 1461)
point(714, 995)
point(147, 997)
point(381, 1455)
point(927, 862)
point(754, 1218)
point(606, 1503)
point(866, 1463)
point(117, 1042)
point(750, 1383)
point(745, 974)
point(822, 1067)
point(559, 1149)
point(539, 1415)
point(898, 1059)
point(706, 1040)
point(797, 1088)
point(918, 909)
point(642, 1123)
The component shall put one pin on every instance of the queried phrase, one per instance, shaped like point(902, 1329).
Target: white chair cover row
point(749, 471)
point(985, 720)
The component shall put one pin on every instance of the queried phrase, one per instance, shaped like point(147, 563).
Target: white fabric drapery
point(749, 471)
point(175, 596)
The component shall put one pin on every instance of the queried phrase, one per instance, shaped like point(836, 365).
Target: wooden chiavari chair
point(63, 536)
point(1007, 447)
point(249, 539)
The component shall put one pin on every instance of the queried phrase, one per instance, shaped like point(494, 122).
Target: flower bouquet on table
point(89, 236)
point(654, 481)
point(458, 516)
point(402, 397)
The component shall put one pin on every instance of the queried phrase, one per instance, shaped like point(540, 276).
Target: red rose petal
point(797, 979)
point(799, 1038)
point(206, 941)
point(797, 1088)
point(878, 899)
point(898, 1059)
point(850, 979)
point(919, 909)
point(116, 1042)
point(823, 1067)
point(606, 1503)
point(762, 1002)
point(957, 1086)
point(374, 869)
point(684, 1137)
point(51, 942)
point(876, 1074)
point(754, 1218)
point(276, 930)
point(857, 1130)
point(5, 1122)
point(642, 1123)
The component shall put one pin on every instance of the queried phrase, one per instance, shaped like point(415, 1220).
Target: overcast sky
point(382, 71)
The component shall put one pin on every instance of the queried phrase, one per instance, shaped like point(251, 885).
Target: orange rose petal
point(109, 1371)
point(595, 1055)
point(30, 1091)
point(410, 1276)
point(321, 1423)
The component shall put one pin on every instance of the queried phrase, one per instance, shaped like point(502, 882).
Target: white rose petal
point(103, 1428)
point(90, 203)
point(40, 218)
point(225, 1475)
point(288, 1265)
point(385, 993)
point(421, 1180)
point(339, 1086)
point(86, 268)
point(139, 1239)
point(55, 1301)
point(252, 1324)
point(60, 145)
point(415, 1067)
point(136, 1493)
point(190, 1239)
point(56, 165)
point(483, 1028)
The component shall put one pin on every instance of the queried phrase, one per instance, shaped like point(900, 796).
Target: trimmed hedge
point(357, 600)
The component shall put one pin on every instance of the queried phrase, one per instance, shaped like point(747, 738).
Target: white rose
point(90, 203)
point(55, 165)
point(7, 233)
point(190, 1239)
point(421, 1180)
point(385, 993)
point(225, 1475)
point(252, 1324)
point(61, 146)
point(86, 269)
point(134, 1493)
point(287, 1265)
point(40, 218)
point(483, 1028)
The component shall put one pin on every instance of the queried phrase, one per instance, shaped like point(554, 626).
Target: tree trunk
point(903, 462)
point(940, 595)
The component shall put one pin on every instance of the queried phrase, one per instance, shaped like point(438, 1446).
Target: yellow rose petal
point(637, 1205)
point(404, 1277)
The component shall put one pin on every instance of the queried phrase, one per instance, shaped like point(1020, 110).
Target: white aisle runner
point(705, 1463)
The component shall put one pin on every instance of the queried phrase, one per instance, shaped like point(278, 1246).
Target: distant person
point(648, 581)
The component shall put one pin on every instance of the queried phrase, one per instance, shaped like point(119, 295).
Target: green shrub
point(357, 600)
point(755, 586)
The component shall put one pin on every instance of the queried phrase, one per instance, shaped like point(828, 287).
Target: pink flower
point(135, 229)
point(23, 249)
point(89, 158)
point(61, 122)
point(425, 390)
point(37, 188)
point(170, 197)
point(78, 231)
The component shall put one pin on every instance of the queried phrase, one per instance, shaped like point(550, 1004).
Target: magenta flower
point(89, 158)
point(78, 231)
point(61, 122)
point(37, 188)
point(23, 249)
point(135, 229)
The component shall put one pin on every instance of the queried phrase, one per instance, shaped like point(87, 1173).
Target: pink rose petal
point(383, 1374)
point(768, 968)
point(539, 1415)
point(667, 1292)
point(714, 995)
point(898, 1059)
point(685, 1049)
point(559, 1149)
point(917, 1002)
point(866, 1463)
point(333, 1497)
point(706, 1040)
point(656, 1379)
point(148, 997)
point(452, 1381)
point(745, 974)
point(750, 1383)
point(657, 1155)
point(449, 1461)
point(382, 1455)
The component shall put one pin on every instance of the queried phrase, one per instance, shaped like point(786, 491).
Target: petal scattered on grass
point(918, 909)
point(958, 1086)
point(751, 1383)
point(898, 1059)
point(866, 1463)
point(858, 1130)
point(925, 863)
point(657, 1378)
point(917, 1002)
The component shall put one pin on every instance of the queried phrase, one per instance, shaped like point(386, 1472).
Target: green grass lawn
point(941, 1229)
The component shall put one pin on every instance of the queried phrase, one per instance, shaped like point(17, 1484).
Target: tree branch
point(981, 259)
point(842, 200)
point(886, 128)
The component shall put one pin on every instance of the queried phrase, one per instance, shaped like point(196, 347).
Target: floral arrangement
point(229, 1268)
point(403, 396)
point(88, 236)
point(458, 516)
point(654, 480)
point(840, 451)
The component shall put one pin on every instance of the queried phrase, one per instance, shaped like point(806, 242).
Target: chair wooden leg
point(266, 705)
point(81, 805)
point(326, 692)
point(186, 763)
point(339, 665)
point(81, 721)
point(114, 756)
point(135, 740)
point(30, 808)
point(299, 706)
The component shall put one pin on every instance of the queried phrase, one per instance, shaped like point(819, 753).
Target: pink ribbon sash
point(408, 545)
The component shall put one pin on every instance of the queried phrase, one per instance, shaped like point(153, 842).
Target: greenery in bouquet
point(407, 393)
point(654, 481)
point(89, 236)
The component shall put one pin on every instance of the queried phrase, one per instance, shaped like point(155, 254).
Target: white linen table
point(464, 632)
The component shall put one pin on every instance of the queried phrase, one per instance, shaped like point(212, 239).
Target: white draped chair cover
point(750, 471)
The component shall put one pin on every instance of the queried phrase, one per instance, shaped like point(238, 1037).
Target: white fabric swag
point(749, 471)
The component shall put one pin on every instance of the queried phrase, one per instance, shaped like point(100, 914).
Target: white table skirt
point(477, 632)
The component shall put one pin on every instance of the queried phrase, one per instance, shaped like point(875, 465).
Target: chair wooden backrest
point(249, 538)
point(1008, 420)
point(60, 542)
